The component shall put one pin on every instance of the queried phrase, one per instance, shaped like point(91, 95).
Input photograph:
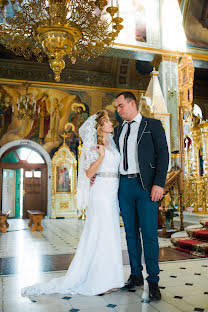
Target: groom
point(143, 168)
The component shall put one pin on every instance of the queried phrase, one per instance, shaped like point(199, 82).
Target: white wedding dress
point(97, 265)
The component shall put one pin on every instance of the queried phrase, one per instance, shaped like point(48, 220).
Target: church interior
point(158, 50)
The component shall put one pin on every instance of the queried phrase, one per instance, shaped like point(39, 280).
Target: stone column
point(168, 77)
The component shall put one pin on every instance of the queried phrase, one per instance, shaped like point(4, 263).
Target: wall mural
point(5, 111)
point(49, 113)
point(195, 14)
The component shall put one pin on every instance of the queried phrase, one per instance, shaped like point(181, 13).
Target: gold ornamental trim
point(203, 57)
point(65, 86)
point(64, 205)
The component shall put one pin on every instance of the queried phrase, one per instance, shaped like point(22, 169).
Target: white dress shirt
point(132, 150)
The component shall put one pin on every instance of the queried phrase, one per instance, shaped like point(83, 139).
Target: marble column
point(168, 77)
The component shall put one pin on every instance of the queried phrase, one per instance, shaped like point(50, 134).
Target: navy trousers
point(140, 217)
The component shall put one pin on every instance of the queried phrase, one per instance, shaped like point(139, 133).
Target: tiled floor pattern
point(47, 263)
point(184, 284)
point(184, 287)
point(60, 236)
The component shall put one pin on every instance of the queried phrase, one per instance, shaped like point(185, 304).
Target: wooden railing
point(172, 184)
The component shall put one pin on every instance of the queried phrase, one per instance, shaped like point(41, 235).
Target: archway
point(38, 148)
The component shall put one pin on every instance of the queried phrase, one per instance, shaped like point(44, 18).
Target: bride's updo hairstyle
point(101, 118)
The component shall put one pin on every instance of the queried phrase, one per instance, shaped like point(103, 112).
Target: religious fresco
point(78, 115)
point(49, 112)
point(43, 118)
point(113, 115)
point(195, 21)
point(5, 111)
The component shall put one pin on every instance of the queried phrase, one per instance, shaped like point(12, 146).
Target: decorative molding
point(64, 86)
point(152, 50)
point(64, 205)
point(27, 71)
point(186, 82)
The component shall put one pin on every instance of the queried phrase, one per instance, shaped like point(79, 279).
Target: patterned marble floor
point(184, 287)
point(184, 284)
point(60, 236)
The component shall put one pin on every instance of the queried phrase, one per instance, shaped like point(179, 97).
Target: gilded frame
point(64, 171)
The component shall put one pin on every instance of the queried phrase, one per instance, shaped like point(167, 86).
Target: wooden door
point(34, 190)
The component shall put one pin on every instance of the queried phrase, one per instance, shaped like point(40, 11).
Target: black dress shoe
point(134, 281)
point(154, 292)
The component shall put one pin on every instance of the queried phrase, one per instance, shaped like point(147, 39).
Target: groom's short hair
point(127, 96)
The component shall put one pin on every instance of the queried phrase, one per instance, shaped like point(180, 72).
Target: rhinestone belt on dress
point(108, 174)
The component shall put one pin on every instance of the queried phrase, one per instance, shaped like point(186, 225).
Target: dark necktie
point(125, 156)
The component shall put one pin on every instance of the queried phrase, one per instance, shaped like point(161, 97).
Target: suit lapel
point(142, 127)
point(117, 134)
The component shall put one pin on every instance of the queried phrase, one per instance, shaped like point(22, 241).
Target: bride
point(97, 265)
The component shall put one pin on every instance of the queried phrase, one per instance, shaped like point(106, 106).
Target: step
point(189, 244)
point(200, 233)
point(204, 222)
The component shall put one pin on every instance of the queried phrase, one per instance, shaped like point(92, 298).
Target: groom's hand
point(156, 193)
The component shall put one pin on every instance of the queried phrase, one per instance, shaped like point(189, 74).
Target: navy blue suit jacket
point(153, 156)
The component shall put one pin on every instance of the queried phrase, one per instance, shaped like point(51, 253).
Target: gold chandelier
point(58, 28)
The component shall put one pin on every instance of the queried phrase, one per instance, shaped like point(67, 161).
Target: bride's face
point(108, 126)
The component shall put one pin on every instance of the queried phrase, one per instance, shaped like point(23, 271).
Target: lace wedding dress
point(97, 265)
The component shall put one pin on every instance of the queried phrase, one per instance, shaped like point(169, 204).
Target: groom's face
point(124, 107)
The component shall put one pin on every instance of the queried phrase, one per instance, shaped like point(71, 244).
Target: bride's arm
point(91, 171)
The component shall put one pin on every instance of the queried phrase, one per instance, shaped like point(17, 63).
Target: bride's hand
point(100, 150)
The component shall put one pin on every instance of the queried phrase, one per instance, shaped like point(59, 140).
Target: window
point(37, 174)
point(28, 174)
point(30, 156)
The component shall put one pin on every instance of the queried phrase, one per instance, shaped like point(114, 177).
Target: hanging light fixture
point(58, 28)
